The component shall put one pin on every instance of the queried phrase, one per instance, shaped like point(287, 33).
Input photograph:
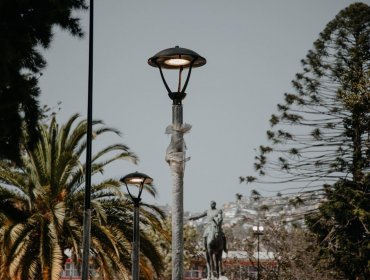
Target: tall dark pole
point(136, 240)
point(87, 210)
point(258, 255)
point(258, 230)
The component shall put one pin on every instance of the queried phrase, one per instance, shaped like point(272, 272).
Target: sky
point(253, 50)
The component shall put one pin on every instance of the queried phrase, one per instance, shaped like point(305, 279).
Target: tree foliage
point(295, 252)
point(289, 251)
point(26, 26)
point(342, 228)
point(41, 209)
point(192, 247)
point(321, 137)
point(321, 132)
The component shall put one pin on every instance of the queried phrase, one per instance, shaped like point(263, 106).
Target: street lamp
point(258, 230)
point(178, 59)
point(136, 180)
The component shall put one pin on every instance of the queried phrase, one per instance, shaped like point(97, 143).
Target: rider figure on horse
point(213, 215)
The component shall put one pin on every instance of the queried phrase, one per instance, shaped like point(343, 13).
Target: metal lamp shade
point(176, 58)
point(136, 178)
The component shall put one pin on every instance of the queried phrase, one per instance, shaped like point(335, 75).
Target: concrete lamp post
point(177, 59)
point(136, 181)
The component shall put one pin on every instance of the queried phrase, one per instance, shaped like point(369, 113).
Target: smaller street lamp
point(136, 179)
point(258, 230)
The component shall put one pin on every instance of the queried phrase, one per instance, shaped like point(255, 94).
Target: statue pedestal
point(221, 278)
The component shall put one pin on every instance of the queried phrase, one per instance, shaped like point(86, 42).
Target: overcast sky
point(253, 50)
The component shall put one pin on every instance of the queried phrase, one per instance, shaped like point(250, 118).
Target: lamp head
point(136, 178)
point(176, 58)
point(258, 229)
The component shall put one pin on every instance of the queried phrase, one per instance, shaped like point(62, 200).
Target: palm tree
point(41, 209)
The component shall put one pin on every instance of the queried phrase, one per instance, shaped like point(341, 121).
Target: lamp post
point(178, 59)
point(138, 180)
point(87, 206)
point(258, 230)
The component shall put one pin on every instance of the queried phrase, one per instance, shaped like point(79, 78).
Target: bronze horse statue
point(214, 244)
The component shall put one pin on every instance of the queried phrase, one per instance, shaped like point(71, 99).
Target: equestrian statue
point(214, 240)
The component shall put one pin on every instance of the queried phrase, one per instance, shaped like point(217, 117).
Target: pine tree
point(321, 137)
point(322, 131)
